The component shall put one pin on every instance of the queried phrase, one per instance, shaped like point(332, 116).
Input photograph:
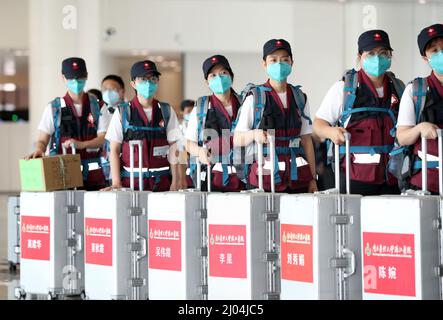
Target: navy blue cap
point(427, 35)
point(144, 68)
point(274, 45)
point(74, 68)
point(373, 38)
point(213, 61)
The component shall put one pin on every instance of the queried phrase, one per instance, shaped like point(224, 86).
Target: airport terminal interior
point(180, 38)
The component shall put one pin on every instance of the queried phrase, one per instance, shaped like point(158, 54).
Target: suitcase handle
point(199, 173)
point(143, 243)
point(424, 168)
point(348, 163)
point(271, 144)
point(350, 253)
point(139, 144)
point(78, 246)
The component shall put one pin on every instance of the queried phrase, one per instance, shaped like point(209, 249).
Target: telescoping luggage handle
point(345, 251)
point(271, 144)
point(199, 173)
point(139, 144)
point(424, 171)
point(348, 164)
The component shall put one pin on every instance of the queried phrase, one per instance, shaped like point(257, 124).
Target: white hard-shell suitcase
point(51, 260)
point(51, 243)
point(320, 242)
point(243, 241)
point(116, 262)
point(177, 244)
point(401, 242)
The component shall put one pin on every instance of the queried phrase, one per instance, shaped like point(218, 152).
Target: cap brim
point(275, 49)
point(75, 74)
point(372, 46)
point(156, 73)
point(218, 64)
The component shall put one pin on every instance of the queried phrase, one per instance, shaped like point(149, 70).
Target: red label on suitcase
point(227, 251)
point(297, 253)
point(34, 235)
point(98, 241)
point(165, 245)
point(389, 263)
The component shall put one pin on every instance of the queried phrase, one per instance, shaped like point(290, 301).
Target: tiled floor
point(8, 281)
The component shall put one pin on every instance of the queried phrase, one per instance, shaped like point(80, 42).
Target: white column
point(59, 29)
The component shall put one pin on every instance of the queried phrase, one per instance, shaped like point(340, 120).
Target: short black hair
point(187, 103)
point(430, 43)
point(96, 93)
point(115, 78)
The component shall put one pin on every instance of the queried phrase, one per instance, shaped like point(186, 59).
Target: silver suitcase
point(51, 261)
point(243, 241)
point(177, 244)
point(116, 263)
point(13, 232)
point(401, 243)
point(320, 243)
point(51, 237)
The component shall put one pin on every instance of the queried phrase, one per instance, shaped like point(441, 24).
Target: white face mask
point(111, 97)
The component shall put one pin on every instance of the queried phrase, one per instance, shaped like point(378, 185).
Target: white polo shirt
point(246, 119)
point(406, 113)
point(115, 130)
point(331, 108)
point(47, 121)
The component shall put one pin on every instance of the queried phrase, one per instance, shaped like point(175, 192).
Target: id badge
point(161, 151)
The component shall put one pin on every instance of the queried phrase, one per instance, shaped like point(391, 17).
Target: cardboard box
point(51, 173)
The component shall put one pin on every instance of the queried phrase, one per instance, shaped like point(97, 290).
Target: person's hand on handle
point(79, 145)
point(204, 155)
point(337, 135)
point(428, 130)
point(260, 136)
point(35, 154)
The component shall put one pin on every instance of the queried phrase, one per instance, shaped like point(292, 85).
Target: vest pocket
point(364, 172)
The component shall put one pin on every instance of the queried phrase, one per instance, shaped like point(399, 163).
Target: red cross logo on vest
point(394, 100)
point(278, 43)
point(431, 32)
point(146, 66)
point(75, 65)
point(377, 37)
point(90, 119)
point(214, 60)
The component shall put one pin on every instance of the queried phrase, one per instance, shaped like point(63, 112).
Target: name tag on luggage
point(161, 151)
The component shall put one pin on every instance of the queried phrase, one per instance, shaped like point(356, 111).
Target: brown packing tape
point(62, 171)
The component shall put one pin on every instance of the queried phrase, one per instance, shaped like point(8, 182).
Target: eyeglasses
point(383, 52)
point(153, 79)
